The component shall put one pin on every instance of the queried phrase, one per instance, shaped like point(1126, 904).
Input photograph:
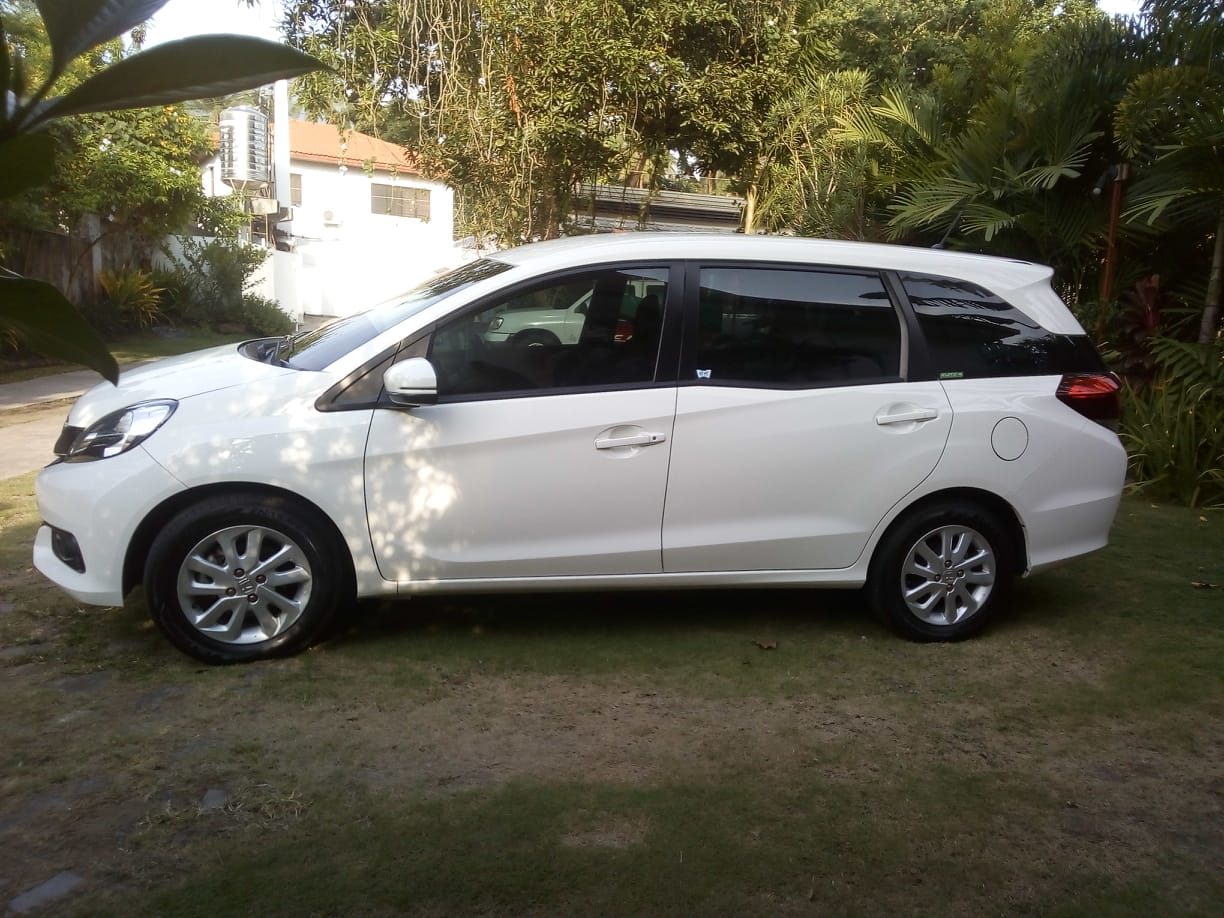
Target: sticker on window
point(956, 374)
point(703, 374)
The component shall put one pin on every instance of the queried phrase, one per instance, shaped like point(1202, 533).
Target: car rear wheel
point(941, 573)
point(231, 580)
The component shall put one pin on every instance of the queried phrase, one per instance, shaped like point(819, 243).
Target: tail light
point(1094, 395)
point(624, 331)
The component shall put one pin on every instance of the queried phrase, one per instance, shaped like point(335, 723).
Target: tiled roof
point(322, 143)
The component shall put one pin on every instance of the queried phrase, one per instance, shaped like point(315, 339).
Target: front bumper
point(100, 504)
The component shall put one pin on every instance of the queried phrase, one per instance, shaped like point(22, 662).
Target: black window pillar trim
point(337, 396)
point(918, 362)
point(675, 323)
point(691, 272)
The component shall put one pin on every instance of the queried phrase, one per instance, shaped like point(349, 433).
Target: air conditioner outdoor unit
point(263, 206)
point(331, 218)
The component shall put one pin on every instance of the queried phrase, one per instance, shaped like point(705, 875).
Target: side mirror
point(411, 382)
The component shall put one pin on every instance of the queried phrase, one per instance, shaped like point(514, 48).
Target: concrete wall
point(346, 257)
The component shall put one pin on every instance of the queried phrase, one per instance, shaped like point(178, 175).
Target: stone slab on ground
point(55, 888)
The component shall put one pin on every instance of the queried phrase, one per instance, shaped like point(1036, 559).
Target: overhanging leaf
point(75, 26)
point(192, 68)
point(52, 326)
point(4, 72)
point(25, 162)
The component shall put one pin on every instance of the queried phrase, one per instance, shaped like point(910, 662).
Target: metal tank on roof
point(244, 148)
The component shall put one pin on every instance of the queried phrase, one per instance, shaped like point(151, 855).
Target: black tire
point(536, 337)
point(940, 597)
point(220, 612)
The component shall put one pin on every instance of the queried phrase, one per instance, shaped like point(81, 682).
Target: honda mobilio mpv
point(786, 412)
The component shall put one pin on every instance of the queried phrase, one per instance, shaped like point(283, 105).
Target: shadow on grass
point(635, 615)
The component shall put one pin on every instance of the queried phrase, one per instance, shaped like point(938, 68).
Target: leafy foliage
point(1174, 429)
point(513, 103)
point(1176, 139)
point(175, 72)
point(133, 295)
point(211, 285)
point(1014, 175)
point(814, 179)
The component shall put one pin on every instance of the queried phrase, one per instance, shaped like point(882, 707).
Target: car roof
point(997, 274)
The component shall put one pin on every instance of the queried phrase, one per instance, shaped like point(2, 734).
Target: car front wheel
point(231, 580)
point(536, 337)
point(941, 573)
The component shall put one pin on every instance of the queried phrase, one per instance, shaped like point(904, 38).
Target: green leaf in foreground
point(192, 68)
point(26, 162)
point(75, 26)
point(52, 326)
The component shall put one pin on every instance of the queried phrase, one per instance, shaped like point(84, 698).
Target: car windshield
point(314, 350)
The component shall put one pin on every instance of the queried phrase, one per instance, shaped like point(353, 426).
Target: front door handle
point(902, 417)
point(642, 439)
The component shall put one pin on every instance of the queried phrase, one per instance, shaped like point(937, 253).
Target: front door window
point(597, 328)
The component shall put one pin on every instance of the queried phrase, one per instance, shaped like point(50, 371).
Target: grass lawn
point(634, 753)
point(130, 349)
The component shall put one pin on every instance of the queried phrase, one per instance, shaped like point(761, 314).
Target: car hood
point(174, 377)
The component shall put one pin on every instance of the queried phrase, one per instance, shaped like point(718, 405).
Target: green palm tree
point(1015, 174)
point(1171, 121)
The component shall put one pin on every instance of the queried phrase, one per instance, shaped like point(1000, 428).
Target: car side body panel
point(1066, 482)
point(793, 478)
point(520, 486)
point(282, 443)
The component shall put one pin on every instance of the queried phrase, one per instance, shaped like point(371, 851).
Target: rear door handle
point(902, 417)
point(642, 439)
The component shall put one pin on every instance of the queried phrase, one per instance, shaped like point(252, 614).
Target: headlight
point(120, 430)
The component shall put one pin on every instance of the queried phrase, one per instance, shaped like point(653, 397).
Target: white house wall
point(353, 257)
point(357, 258)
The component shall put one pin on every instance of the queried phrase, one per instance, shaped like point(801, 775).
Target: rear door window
point(794, 327)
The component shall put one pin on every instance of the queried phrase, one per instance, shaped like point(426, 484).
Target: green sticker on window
point(956, 374)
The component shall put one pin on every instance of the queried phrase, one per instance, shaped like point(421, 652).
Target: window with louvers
point(399, 201)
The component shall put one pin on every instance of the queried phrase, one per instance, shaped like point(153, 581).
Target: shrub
point(133, 296)
point(171, 283)
point(212, 280)
point(264, 317)
point(1174, 429)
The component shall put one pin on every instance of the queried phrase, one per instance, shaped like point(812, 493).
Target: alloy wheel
point(948, 575)
point(244, 584)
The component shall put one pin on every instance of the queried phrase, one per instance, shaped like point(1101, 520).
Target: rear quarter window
point(971, 333)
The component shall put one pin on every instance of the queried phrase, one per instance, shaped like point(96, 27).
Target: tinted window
point(595, 328)
point(316, 349)
point(795, 327)
point(970, 332)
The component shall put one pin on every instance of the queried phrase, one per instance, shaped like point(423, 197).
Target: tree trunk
point(1210, 326)
point(750, 215)
point(637, 175)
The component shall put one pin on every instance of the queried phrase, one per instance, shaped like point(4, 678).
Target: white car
point(528, 323)
point(786, 412)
